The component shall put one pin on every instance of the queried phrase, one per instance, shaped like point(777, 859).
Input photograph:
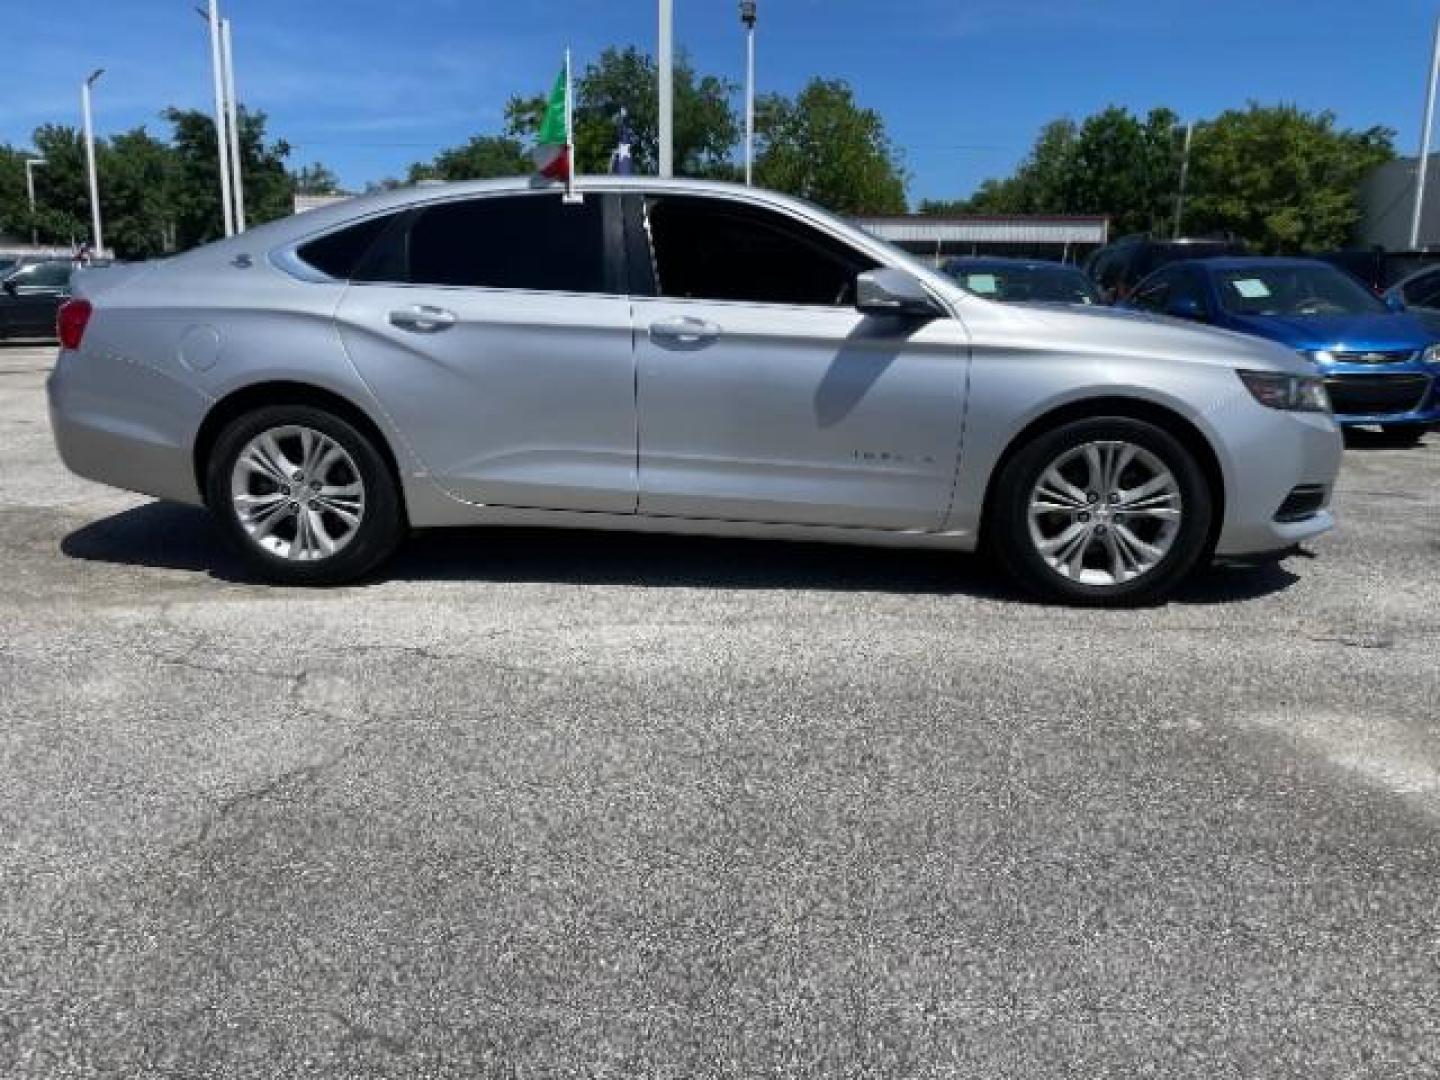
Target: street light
point(667, 87)
point(233, 122)
point(217, 70)
point(747, 18)
point(98, 239)
point(31, 164)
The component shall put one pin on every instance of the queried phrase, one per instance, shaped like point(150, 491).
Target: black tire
point(382, 523)
point(1402, 435)
point(1008, 529)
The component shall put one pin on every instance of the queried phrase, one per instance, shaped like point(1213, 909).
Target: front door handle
point(422, 319)
point(686, 331)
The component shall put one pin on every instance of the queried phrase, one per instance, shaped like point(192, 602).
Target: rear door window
point(532, 242)
point(340, 252)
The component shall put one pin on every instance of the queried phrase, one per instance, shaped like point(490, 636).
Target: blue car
point(1381, 365)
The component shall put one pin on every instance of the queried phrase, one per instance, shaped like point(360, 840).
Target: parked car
point(1381, 366)
point(1022, 280)
point(1419, 294)
point(1117, 268)
point(674, 356)
point(30, 297)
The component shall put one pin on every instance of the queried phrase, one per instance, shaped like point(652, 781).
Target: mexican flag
point(552, 155)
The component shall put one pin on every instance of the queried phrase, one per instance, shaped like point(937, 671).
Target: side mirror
point(888, 291)
point(1394, 301)
point(1186, 307)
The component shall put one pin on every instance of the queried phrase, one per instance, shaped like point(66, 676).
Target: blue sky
point(369, 85)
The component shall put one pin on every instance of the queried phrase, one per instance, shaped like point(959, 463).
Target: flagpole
point(570, 195)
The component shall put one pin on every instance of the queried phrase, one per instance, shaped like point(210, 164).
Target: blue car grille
point(1403, 357)
point(1376, 395)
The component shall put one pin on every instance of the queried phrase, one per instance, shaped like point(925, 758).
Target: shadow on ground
point(173, 537)
point(1376, 439)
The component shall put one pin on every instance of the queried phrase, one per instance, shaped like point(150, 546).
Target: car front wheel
point(1108, 511)
point(305, 496)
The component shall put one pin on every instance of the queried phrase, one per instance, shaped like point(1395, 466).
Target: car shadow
point(169, 536)
point(1367, 439)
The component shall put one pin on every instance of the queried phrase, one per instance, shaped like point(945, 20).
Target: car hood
point(1116, 330)
point(1381, 332)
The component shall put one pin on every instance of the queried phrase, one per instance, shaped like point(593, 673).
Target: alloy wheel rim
point(297, 493)
point(1105, 513)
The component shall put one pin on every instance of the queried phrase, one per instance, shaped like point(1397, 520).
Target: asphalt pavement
point(575, 804)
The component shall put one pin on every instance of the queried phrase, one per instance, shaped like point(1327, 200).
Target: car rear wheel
point(1108, 511)
point(306, 497)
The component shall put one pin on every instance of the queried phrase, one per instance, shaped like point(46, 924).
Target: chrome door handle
point(686, 331)
point(423, 319)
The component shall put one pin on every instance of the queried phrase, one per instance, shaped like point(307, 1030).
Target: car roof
point(1259, 262)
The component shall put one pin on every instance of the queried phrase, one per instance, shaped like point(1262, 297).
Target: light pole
point(90, 160)
point(1184, 175)
point(233, 121)
point(747, 17)
point(1422, 166)
point(217, 70)
point(31, 164)
point(667, 87)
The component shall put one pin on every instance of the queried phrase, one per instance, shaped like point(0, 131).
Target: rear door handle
point(686, 331)
point(423, 319)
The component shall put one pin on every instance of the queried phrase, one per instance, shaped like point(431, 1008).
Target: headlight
point(1293, 393)
point(1432, 355)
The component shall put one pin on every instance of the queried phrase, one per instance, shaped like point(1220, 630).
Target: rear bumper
point(125, 425)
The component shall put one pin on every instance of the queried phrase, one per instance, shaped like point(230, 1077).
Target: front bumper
point(1407, 393)
point(1269, 460)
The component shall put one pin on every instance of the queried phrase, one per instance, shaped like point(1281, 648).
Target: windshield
point(1294, 291)
point(1020, 284)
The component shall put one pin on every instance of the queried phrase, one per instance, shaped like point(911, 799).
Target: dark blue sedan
point(1381, 365)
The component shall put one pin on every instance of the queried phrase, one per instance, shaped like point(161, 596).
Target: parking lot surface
point(575, 804)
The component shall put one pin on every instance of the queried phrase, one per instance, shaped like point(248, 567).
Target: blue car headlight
point(1432, 355)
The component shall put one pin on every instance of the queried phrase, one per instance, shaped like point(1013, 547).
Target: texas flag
point(552, 154)
point(622, 161)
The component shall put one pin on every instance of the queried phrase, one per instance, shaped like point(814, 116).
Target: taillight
point(71, 321)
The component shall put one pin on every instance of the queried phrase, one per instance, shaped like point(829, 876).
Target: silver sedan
point(673, 356)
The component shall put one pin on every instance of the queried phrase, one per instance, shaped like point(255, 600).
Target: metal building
point(1065, 238)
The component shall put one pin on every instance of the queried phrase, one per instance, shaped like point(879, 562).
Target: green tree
point(316, 179)
point(1283, 179)
point(483, 156)
point(62, 194)
point(706, 128)
point(269, 190)
point(823, 146)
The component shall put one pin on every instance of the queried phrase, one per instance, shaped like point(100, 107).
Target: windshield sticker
point(981, 283)
point(1251, 288)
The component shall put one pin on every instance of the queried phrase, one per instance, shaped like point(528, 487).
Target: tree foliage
point(483, 156)
point(706, 127)
point(155, 196)
point(823, 146)
point(1283, 179)
point(1280, 178)
point(316, 178)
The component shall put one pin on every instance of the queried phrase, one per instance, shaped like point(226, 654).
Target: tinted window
point(1024, 282)
point(46, 275)
point(1423, 291)
point(532, 242)
point(339, 253)
point(713, 249)
point(1154, 293)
